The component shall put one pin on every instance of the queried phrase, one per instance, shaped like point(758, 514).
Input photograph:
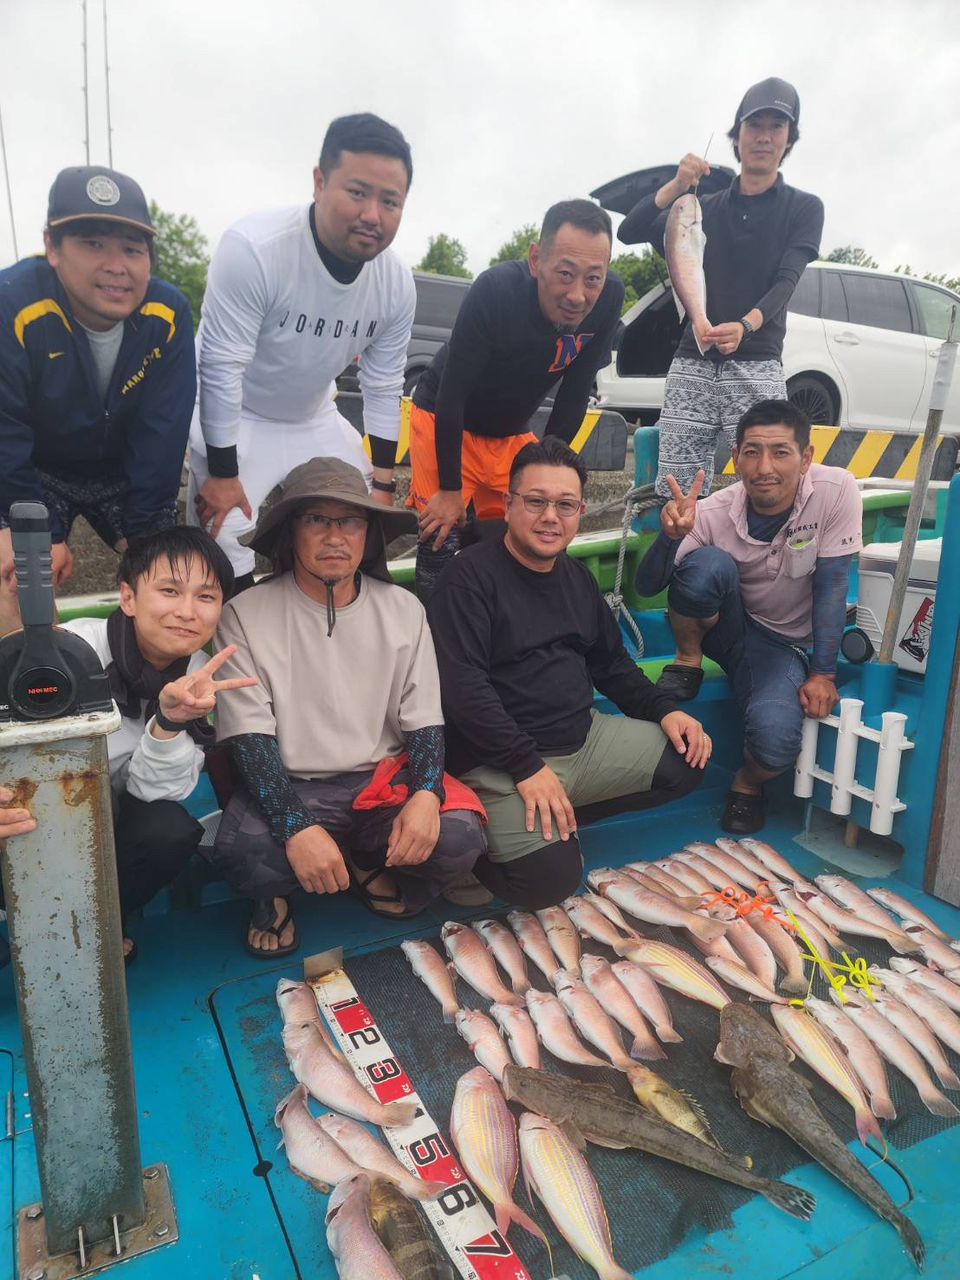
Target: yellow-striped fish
point(674, 968)
point(561, 1178)
point(485, 1135)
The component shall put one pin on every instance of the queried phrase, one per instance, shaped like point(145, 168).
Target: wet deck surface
point(210, 1069)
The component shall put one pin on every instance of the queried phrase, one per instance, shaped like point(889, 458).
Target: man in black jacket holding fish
point(760, 234)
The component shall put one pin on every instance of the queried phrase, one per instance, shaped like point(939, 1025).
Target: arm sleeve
point(570, 403)
point(425, 752)
point(462, 625)
point(644, 224)
point(656, 567)
point(468, 355)
point(19, 481)
point(381, 369)
point(163, 770)
point(156, 438)
point(256, 757)
point(234, 306)
point(802, 247)
point(617, 676)
point(830, 579)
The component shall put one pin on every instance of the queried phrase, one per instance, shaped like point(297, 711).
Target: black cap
point(770, 95)
point(89, 191)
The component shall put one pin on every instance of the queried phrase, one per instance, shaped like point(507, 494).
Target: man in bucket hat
point(339, 750)
point(97, 374)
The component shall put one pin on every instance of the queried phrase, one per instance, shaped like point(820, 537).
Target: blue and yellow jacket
point(52, 417)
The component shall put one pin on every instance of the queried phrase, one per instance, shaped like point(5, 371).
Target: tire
point(817, 397)
point(411, 380)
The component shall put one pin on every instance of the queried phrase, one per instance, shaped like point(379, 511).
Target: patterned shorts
point(99, 499)
point(702, 398)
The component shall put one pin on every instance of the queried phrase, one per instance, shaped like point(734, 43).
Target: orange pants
point(485, 466)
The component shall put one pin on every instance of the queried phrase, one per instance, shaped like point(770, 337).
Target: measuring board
point(468, 1233)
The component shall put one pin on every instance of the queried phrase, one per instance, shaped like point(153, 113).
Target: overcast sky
point(219, 106)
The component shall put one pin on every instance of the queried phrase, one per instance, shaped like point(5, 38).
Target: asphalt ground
point(95, 564)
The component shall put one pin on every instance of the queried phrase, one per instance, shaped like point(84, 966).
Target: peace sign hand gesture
point(194, 695)
point(678, 516)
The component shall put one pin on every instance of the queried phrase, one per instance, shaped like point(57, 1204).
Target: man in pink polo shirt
point(758, 575)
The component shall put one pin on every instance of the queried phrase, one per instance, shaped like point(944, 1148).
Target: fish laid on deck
point(907, 911)
point(648, 998)
point(769, 1091)
point(674, 968)
point(534, 943)
point(555, 1032)
point(405, 1235)
point(430, 968)
point(562, 936)
point(595, 1113)
point(521, 1035)
point(864, 1057)
point(331, 1080)
point(653, 908)
point(474, 963)
point(313, 1153)
point(506, 951)
point(483, 1040)
point(590, 1019)
point(358, 1250)
point(591, 922)
point(613, 996)
point(375, 1158)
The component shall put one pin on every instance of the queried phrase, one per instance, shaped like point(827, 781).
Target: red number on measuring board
point(389, 1079)
point(496, 1248)
point(351, 1015)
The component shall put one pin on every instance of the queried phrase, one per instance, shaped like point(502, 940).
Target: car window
point(878, 301)
point(935, 308)
point(438, 301)
point(834, 304)
point(806, 296)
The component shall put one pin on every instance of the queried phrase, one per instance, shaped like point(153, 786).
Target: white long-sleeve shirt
point(277, 329)
point(150, 769)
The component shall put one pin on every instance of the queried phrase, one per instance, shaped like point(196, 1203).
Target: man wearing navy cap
point(97, 374)
point(760, 235)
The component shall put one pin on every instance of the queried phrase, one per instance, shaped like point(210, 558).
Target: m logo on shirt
point(569, 346)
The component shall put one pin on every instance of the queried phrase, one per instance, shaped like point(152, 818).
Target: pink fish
point(648, 998)
point(521, 1034)
point(484, 1041)
point(534, 943)
point(651, 907)
point(474, 963)
point(683, 245)
point(907, 911)
point(772, 860)
point(331, 1080)
point(859, 1048)
point(587, 1015)
point(506, 951)
point(613, 996)
point(555, 1032)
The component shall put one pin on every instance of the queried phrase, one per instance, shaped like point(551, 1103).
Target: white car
point(861, 350)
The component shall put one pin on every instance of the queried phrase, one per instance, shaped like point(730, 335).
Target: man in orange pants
point(523, 328)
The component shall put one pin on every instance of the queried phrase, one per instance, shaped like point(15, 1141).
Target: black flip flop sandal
point(743, 814)
point(360, 883)
point(261, 918)
point(679, 682)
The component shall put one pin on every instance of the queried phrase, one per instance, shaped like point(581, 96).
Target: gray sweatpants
point(701, 398)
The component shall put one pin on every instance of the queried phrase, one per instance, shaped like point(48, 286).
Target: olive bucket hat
point(338, 480)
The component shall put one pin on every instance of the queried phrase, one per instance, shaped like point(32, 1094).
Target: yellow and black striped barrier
point(601, 440)
point(889, 455)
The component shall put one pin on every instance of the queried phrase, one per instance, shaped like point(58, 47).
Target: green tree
point(182, 255)
point(639, 273)
point(852, 255)
point(517, 245)
point(445, 256)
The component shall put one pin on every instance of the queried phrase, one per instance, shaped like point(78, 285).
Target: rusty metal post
point(61, 892)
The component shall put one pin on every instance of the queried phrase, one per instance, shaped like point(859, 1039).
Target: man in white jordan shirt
point(292, 297)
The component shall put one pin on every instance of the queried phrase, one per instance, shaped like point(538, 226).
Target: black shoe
point(743, 814)
point(679, 682)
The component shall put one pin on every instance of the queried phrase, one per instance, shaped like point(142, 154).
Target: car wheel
point(411, 380)
point(816, 397)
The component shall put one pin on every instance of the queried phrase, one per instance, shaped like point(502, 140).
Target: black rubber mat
point(652, 1204)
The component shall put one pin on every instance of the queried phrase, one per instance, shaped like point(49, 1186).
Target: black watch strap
point(169, 726)
point(385, 486)
point(748, 329)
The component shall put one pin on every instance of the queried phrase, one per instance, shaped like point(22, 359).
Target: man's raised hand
point(679, 515)
point(195, 694)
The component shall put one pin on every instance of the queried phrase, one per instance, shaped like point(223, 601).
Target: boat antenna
point(106, 73)
point(86, 87)
point(6, 178)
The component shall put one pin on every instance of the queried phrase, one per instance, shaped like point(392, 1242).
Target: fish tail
point(625, 946)
point(793, 1200)
point(936, 1101)
point(794, 986)
point(668, 1035)
point(450, 1012)
point(867, 1126)
point(395, 1114)
point(882, 1105)
point(647, 1048)
point(707, 930)
point(948, 1078)
point(613, 1271)
point(910, 1236)
point(507, 1212)
point(428, 1189)
point(521, 986)
point(902, 943)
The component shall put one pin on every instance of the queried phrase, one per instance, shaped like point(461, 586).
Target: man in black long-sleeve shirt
point(760, 235)
point(523, 328)
point(523, 637)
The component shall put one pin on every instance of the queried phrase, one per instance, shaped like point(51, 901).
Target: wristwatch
point(748, 329)
point(385, 486)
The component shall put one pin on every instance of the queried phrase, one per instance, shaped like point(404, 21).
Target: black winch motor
point(44, 672)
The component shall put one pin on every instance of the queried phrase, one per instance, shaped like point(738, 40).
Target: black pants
point(552, 873)
point(155, 840)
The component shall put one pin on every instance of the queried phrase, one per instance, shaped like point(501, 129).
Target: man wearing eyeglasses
point(340, 753)
point(523, 636)
point(526, 330)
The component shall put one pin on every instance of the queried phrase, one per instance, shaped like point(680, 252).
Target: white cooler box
point(878, 563)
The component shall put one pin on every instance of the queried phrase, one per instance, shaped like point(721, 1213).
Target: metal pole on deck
point(938, 402)
point(66, 942)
